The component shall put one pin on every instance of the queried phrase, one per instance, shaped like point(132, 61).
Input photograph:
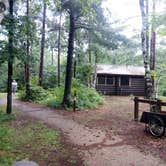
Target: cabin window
point(106, 80)
point(125, 81)
point(110, 80)
point(101, 80)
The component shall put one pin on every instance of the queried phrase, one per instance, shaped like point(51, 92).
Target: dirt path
point(97, 146)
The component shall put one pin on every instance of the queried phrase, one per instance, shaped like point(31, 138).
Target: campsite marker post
point(74, 103)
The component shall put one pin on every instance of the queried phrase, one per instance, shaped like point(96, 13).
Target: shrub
point(86, 97)
point(164, 92)
point(37, 94)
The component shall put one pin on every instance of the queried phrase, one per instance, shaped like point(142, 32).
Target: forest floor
point(106, 136)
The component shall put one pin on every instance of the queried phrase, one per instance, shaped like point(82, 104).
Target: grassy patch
point(24, 138)
point(2, 94)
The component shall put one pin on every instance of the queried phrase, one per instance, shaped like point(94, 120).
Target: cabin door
point(117, 85)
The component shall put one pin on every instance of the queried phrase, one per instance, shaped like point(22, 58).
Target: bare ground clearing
point(106, 136)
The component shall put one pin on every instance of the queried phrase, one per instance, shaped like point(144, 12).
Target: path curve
point(95, 147)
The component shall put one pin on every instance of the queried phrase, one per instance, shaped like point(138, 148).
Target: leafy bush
point(86, 97)
point(164, 92)
point(37, 94)
point(57, 97)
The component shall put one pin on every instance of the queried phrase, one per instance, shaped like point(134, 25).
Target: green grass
point(2, 94)
point(163, 98)
point(24, 138)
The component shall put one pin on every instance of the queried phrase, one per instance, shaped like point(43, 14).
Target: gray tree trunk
point(42, 45)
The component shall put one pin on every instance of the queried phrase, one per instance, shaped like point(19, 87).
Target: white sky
point(124, 9)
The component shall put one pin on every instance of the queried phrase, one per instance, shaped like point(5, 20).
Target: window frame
point(129, 81)
point(105, 80)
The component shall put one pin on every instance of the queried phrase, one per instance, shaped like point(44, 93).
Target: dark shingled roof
point(120, 70)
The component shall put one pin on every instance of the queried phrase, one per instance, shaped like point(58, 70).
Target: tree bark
point(75, 67)
point(10, 59)
point(153, 40)
point(59, 47)
point(42, 46)
point(52, 56)
point(153, 49)
point(145, 46)
point(27, 70)
point(68, 79)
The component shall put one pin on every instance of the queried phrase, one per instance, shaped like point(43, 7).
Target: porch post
point(136, 109)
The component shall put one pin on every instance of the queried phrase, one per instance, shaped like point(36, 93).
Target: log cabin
point(120, 80)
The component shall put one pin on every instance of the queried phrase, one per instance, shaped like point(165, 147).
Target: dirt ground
point(106, 136)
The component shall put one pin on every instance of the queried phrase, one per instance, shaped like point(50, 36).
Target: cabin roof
point(120, 70)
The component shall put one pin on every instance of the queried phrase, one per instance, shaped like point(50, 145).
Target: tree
point(144, 4)
point(67, 90)
point(27, 67)
point(76, 9)
point(10, 58)
point(59, 46)
point(42, 44)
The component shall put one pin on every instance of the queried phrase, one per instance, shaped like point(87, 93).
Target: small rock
point(25, 163)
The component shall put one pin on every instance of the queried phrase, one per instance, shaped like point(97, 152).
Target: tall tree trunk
point(59, 47)
point(90, 56)
point(67, 90)
point(145, 46)
point(153, 40)
point(75, 67)
point(42, 45)
point(153, 49)
point(10, 59)
point(27, 70)
point(147, 31)
point(89, 45)
point(52, 55)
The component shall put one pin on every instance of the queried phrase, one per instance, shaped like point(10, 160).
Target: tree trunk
point(153, 49)
point(27, 70)
point(59, 47)
point(153, 40)
point(10, 59)
point(67, 90)
point(52, 56)
point(89, 45)
point(75, 67)
point(145, 47)
point(42, 46)
point(90, 57)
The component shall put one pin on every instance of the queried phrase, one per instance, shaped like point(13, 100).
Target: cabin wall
point(136, 86)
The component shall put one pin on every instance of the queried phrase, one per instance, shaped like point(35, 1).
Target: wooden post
point(158, 105)
point(74, 104)
point(136, 108)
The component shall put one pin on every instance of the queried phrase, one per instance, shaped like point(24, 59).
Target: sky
point(128, 13)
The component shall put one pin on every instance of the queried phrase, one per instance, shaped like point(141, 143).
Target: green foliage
point(37, 94)
point(86, 97)
point(3, 80)
point(49, 76)
point(84, 72)
point(5, 117)
point(164, 92)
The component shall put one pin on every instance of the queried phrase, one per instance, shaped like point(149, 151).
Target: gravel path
point(95, 147)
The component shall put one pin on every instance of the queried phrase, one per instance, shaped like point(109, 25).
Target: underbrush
point(24, 138)
point(86, 97)
point(37, 94)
